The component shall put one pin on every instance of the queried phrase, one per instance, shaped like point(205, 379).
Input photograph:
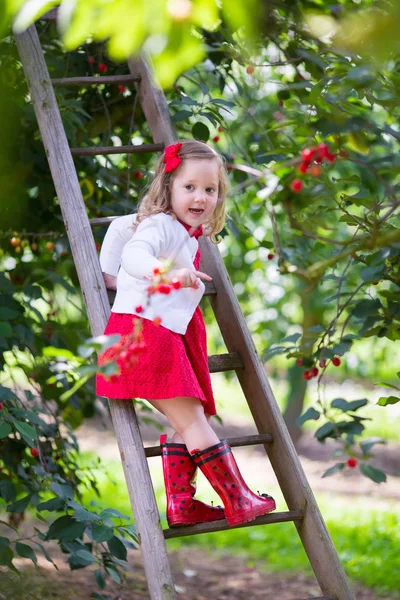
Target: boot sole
point(249, 515)
point(178, 523)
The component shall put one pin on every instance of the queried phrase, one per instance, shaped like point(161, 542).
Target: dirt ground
point(198, 575)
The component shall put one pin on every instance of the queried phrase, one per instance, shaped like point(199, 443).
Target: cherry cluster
point(313, 372)
point(127, 350)
point(312, 158)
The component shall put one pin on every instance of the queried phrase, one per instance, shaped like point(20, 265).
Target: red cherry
point(216, 138)
point(164, 288)
point(1, 406)
point(303, 167)
point(139, 309)
point(307, 375)
point(336, 361)
point(250, 70)
point(281, 103)
point(297, 185)
point(49, 246)
point(121, 89)
point(352, 462)
point(15, 242)
point(176, 284)
point(102, 68)
point(299, 362)
point(91, 60)
point(138, 175)
point(157, 321)
point(307, 154)
point(34, 452)
point(270, 256)
point(34, 246)
point(156, 271)
point(315, 171)
point(229, 168)
point(314, 371)
point(322, 363)
point(221, 129)
point(98, 246)
point(375, 282)
point(150, 290)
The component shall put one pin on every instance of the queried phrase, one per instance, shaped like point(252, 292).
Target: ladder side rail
point(153, 102)
point(268, 418)
point(78, 228)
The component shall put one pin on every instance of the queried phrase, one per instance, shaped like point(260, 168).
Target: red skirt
point(172, 364)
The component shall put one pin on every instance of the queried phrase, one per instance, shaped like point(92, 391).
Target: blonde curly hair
point(158, 196)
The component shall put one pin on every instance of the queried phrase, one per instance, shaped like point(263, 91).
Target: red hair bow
point(171, 158)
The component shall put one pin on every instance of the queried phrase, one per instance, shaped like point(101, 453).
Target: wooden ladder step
point(217, 363)
point(278, 517)
point(131, 149)
point(82, 81)
point(235, 442)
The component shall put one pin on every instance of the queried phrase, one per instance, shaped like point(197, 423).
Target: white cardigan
point(157, 239)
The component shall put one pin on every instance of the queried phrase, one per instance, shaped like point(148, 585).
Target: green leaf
point(4, 542)
point(6, 393)
point(6, 556)
point(117, 548)
point(367, 445)
point(181, 115)
point(292, 338)
point(54, 504)
point(5, 430)
point(345, 406)
point(7, 313)
point(51, 351)
point(388, 385)
point(323, 432)
point(20, 505)
point(200, 132)
point(335, 469)
point(5, 329)
point(112, 512)
point(100, 580)
point(7, 490)
point(25, 430)
point(64, 491)
point(384, 401)
point(102, 533)
point(270, 352)
point(98, 596)
point(85, 556)
point(372, 273)
point(65, 529)
point(310, 413)
point(25, 551)
point(376, 475)
point(114, 573)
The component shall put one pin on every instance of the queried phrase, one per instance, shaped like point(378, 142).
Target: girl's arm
point(150, 240)
point(117, 235)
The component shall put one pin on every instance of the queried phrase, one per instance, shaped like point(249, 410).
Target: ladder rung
point(100, 221)
point(280, 517)
point(131, 149)
point(225, 362)
point(81, 81)
point(248, 440)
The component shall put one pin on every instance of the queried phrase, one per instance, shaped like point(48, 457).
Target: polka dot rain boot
point(241, 504)
point(179, 478)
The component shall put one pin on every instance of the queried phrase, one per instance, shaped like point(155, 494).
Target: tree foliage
point(315, 265)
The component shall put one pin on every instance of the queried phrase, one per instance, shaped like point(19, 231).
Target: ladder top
point(94, 80)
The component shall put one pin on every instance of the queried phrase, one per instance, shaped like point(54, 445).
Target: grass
point(366, 536)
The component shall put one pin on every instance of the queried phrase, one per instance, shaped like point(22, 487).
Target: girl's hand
point(188, 278)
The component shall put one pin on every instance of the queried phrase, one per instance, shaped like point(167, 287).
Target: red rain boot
point(241, 504)
point(179, 478)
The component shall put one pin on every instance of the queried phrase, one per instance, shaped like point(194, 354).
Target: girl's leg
point(186, 415)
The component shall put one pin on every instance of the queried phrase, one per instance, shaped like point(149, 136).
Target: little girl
point(186, 200)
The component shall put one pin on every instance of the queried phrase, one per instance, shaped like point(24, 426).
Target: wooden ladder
point(242, 357)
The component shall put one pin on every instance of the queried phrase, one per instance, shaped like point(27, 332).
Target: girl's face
point(194, 192)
